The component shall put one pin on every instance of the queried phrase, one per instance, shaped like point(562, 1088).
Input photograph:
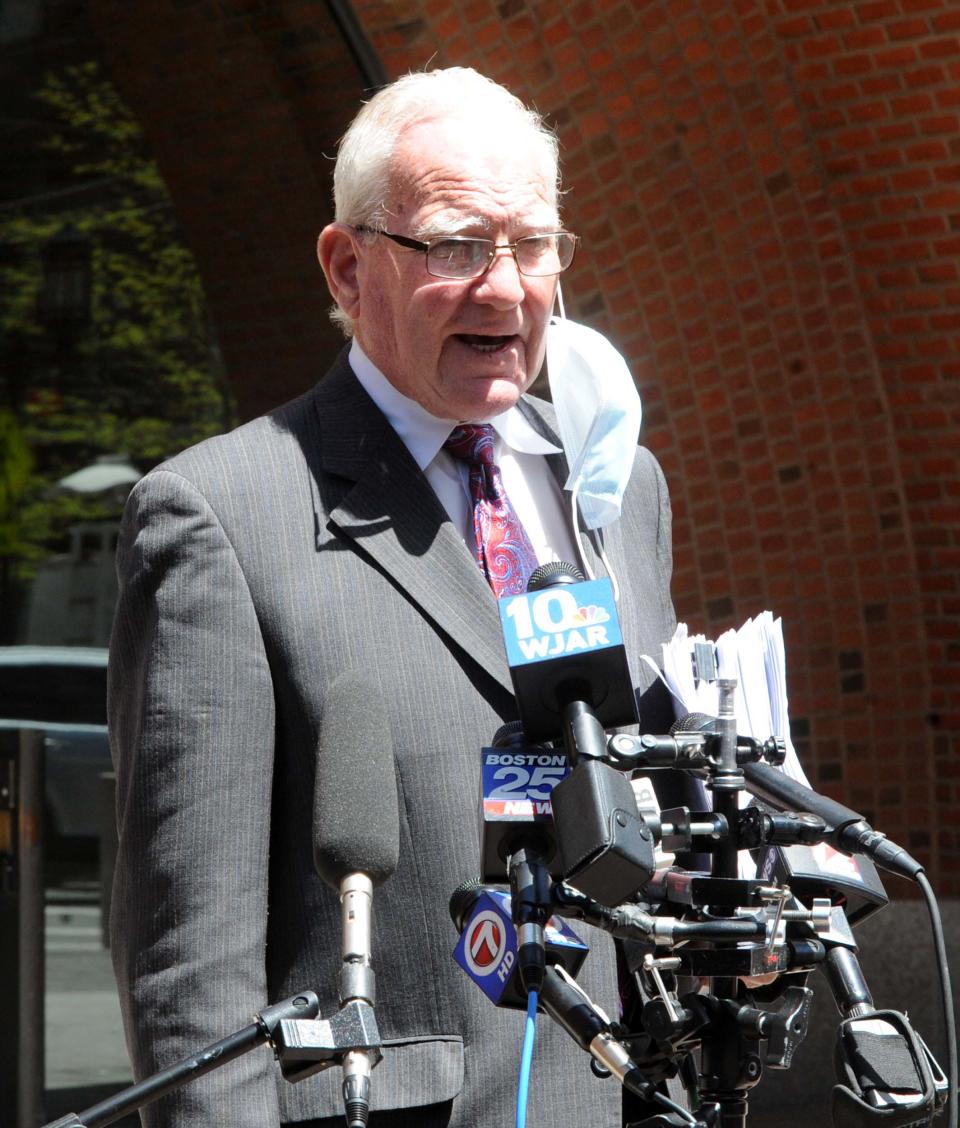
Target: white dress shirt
point(529, 483)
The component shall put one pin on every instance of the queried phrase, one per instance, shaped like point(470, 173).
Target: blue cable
point(526, 1056)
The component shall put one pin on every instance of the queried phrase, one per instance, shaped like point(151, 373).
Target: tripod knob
point(786, 1028)
point(668, 1024)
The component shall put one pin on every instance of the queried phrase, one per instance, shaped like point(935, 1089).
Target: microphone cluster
point(562, 826)
point(561, 823)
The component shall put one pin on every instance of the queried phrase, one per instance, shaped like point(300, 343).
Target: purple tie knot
point(473, 442)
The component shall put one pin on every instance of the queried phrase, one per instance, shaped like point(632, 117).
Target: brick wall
point(769, 198)
point(879, 85)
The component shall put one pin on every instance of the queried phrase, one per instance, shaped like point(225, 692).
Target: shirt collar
point(424, 434)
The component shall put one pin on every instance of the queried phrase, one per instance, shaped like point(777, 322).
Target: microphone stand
point(306, 1005)
point(728, 1069)
point(727, 1028)
point(302, 1043)
point(886, 1072)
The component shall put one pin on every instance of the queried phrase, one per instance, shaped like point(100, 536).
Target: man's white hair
point(364, 170)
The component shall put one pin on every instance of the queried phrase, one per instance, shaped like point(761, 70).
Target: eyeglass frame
point(419, 245)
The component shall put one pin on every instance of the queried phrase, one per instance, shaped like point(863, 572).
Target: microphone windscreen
point(356, 821)
point(552, 573)
point(694, 722)
point(462, 900)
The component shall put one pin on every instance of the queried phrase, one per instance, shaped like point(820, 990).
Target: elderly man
point(339, 533)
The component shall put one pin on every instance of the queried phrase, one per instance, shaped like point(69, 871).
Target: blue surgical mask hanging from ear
point(598, 412)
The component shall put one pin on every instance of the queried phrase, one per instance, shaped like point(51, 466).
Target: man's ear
point(337, 253)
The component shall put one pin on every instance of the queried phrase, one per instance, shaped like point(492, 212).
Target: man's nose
point(503, 283)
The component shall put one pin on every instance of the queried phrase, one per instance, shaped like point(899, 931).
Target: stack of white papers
point(754, 657)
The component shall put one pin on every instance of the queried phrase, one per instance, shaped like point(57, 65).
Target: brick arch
point(243, 104)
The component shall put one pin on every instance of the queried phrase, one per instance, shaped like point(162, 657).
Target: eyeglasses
point(461, 256)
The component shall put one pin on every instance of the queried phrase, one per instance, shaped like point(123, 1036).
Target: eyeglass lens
point(535, 254)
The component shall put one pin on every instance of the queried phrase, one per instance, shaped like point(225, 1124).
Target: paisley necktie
point(503, 549)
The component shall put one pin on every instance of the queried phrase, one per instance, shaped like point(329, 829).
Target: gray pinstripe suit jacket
point(254, 568)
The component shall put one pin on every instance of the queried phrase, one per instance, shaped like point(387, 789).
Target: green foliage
point(142, 378)
point(16, 466)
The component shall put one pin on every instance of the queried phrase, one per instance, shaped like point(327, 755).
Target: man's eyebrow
point(456, 223)
point(450, 223)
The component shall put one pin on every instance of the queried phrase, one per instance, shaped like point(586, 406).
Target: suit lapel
point(387, 508)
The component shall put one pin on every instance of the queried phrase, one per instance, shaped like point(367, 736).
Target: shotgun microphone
point(847, 831)
point(356, 846)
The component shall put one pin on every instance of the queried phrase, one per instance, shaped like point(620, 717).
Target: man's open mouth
point(485, 343)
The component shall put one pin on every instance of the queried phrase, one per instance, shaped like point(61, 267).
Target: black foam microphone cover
point(462, 900)
point(356, 821)
point(552, 573)
point(694, 722)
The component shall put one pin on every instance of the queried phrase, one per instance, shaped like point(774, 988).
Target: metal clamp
point(786, 1028)
point(778, 894)
point(653, 966)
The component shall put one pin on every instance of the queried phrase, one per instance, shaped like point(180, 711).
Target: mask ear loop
point(577, 535)
point(574, 505)
point(575, 512)
point(602, 553)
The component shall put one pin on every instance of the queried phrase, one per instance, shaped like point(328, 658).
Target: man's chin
point(494, 398)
